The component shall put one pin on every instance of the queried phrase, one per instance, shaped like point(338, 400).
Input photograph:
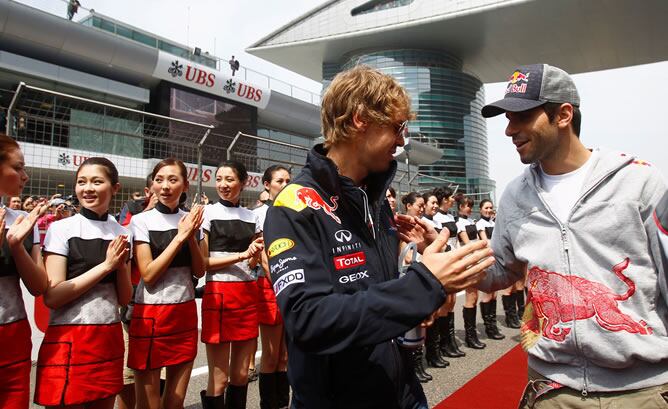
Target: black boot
point(212, 402)
point(472, 340)
point(511, 311)
point(519, 301)
point(268, 393)
point(433, 354)
point(418, 362)
point(235, 396)
point(451, 331)
point(282, 390)
point(447, 344)
point(488, 312)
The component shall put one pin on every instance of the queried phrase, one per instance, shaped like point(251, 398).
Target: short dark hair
point(483, 201)
point(393, 192)
point(463, 200)
point(409, 198)
point(171, 162)
point(442, 193)
point(238, 168)
point(552, 109)
point(269, 172)
point(109, 167)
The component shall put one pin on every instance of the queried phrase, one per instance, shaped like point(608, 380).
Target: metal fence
point(57, 131)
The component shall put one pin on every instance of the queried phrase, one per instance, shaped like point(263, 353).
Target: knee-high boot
point(472, 340)
point(212, 402)
point(433, 354)
point(510, 308)
point(268, 391)
point(235, 396)
point(282, 390)
point(519, 301)
point(488, 312)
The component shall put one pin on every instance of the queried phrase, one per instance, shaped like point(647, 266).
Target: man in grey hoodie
point(580, 221)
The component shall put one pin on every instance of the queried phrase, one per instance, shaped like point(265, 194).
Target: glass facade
point(447, 103)
point(147, 39)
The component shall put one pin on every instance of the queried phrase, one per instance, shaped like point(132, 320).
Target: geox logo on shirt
point(289, 278)
point(350, 260)
point(353, 277)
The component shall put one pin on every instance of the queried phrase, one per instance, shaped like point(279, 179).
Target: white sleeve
point(258, 223)
point(460, 226)
point(35, 234)
point(56, 240)
point(206, 220)
point(139, 230)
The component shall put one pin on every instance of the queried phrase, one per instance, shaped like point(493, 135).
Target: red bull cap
point(530, 86)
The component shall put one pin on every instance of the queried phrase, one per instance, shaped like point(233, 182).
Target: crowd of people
point(122, 290)
point(333, 278)
point(434, 207)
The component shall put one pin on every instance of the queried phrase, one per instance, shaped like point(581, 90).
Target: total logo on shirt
point(350, 260)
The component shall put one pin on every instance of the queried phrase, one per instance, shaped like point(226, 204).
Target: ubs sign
point(205, 79)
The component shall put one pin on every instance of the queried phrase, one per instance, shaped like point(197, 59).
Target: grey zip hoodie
point(596, 316)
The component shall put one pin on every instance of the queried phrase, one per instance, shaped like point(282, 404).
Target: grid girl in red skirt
point(274, 385)
point(231, 248)
point(163, 328)
point(20, 259)
point(80, 361)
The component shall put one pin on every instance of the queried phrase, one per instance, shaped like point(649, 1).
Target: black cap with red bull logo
point(531, 86)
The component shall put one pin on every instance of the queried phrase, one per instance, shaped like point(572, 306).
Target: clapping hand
point(412, 229)
point(191, 222)
point(255, 247)
point(117, 252)
point(23, 225)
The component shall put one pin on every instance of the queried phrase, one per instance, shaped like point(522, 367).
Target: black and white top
point(84, 239)
point(11, 301)
point(261, 213)
point(487, 225)
point(464, 224)
point(432, 220)
point(157, 228)
point(448, 222)
point(231, 230)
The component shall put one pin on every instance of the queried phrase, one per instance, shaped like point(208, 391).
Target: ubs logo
point(343, 236)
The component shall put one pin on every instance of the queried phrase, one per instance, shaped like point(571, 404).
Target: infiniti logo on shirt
point(343, 236)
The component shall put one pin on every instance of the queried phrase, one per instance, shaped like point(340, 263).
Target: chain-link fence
point(57, 132)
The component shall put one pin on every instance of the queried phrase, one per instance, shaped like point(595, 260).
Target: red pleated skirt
point(15, 346)
point(79, 364)
point(162, 335)
point(229, 312)
point(267, 308)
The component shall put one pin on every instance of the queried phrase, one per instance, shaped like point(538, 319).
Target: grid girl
point(21, 259)
point(163, 329)
point(80, 361)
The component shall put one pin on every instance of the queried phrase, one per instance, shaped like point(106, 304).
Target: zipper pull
point(564, 238)
point(584, 392)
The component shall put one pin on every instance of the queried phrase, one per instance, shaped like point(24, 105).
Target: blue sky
point(621, 108)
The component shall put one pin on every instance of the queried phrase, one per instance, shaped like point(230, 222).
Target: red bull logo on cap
point(517, 83)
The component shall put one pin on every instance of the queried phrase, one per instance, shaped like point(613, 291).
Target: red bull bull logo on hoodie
point(298, 198)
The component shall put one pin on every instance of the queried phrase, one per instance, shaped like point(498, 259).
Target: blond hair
point(374, 96)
